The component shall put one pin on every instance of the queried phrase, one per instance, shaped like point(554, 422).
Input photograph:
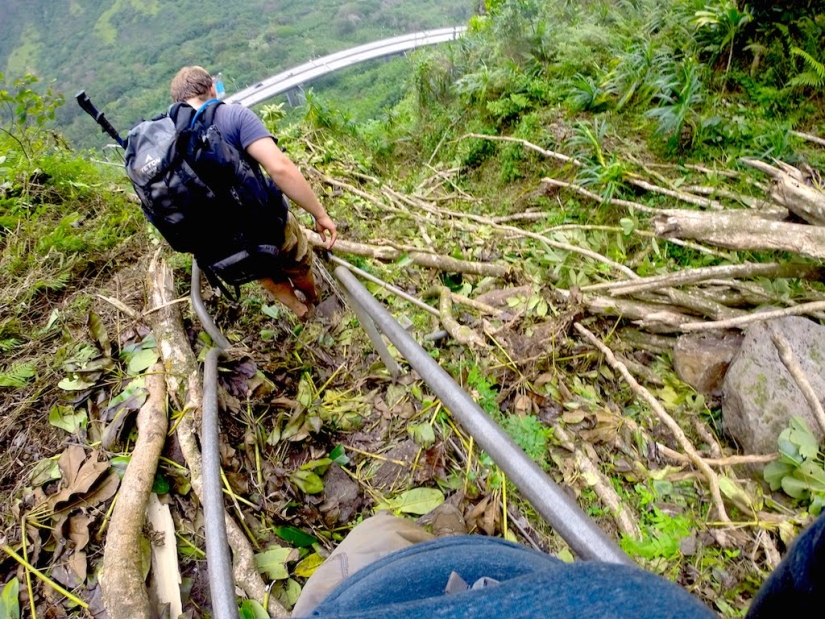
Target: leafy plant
point(9, 603)
point(589, 95)
point(680, 92)
point(17, 375)
point(24, 113)
point(530, 434)
point(724, 21)
point(663, 534)
point(600, 170)
point(799, 471)
point(635, 71)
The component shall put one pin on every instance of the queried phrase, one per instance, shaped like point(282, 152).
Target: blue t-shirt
point(239, 125)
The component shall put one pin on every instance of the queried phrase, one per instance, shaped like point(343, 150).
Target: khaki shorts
point(373, 539)
point(295, 259)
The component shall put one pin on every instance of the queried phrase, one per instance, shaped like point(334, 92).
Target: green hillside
point(124, 52)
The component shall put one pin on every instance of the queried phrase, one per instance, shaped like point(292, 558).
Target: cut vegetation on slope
point(571, 190)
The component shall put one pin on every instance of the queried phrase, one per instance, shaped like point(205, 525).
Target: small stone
point(405, 322)
point(687, 546)
point(701, 360)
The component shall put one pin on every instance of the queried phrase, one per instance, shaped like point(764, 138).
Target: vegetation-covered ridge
point(124, 53)
point(568, 189)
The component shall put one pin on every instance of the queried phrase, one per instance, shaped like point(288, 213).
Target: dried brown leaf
point(79, 530)
point(70, 462)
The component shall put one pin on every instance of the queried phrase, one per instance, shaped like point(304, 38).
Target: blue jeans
point(409, 584)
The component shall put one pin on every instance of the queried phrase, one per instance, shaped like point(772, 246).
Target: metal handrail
point(200, 309)
point(576, 528)
point(221, 580)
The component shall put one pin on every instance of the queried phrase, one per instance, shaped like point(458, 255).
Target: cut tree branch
point(694, 276)
point(625, 520)
point(124, 595)
point(442, 263)
point(528, 145)
point(796, 310)
point(741, 230)
point(790, 190)
point(462, 334)
point(798, 374)
point(808, 137)
point(679, 195)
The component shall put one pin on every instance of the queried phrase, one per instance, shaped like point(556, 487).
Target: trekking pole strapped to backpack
point(87, 106)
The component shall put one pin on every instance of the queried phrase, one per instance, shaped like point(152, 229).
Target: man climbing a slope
point(243, 130)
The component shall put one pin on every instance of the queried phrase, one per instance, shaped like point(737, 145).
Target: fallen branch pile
point(438, 218)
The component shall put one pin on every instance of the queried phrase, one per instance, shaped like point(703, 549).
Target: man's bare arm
point(290, 180)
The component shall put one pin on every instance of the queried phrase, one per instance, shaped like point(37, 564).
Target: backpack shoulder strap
point(181, 114)
point(206, 113)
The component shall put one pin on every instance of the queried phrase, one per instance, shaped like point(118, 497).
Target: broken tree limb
point(679, 195)
point(741, 230)
point(120, 305)
point(796, 310)
point(773, 214)
point(625, 521)
point(651, 316)
point(676, 456)
point(809, 138)
point(600, 199)
point(789, 189)
point(692, 300)
point(124, 595)
point(436, 291)
point(442, 263)
point(461, 333)
point(656, 344)
point(184, 386)
point(528, 145)
point(798, 374)
point(694, 276)
point(749, 201)
point(665, 418)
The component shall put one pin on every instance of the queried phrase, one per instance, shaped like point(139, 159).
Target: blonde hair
point(190, 82)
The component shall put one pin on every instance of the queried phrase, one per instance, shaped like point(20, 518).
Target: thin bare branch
point(665, 418)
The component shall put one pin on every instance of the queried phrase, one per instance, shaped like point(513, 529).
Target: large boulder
point(760, 395)
point(702, 359)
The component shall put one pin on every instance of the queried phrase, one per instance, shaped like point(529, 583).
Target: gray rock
point(760, 395)
point(702, 359)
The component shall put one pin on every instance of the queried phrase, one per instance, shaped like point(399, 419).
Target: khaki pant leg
point(368, 542)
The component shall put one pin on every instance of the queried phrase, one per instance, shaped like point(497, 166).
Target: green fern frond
point(8, 343)
point(808, 79)
point(55, 282)
point(17, 375)
point(815, 68)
